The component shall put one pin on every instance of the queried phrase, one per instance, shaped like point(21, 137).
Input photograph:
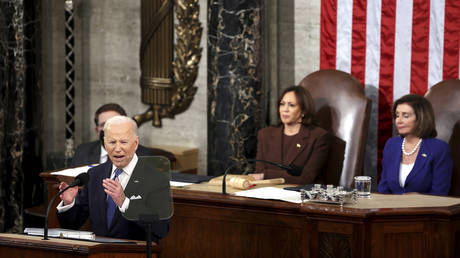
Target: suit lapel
point(274, 149)
point(396, 164)
point(117, 216)
point(103, 202)
point(301, 142)
point(419, 161)
point(132, 185)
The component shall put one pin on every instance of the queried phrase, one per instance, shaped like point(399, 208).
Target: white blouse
point(404, 171)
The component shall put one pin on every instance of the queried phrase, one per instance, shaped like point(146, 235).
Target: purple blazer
point(431, 174)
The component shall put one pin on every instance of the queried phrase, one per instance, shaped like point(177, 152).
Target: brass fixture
point(167, 85)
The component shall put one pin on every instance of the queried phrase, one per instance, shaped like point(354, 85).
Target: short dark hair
point(425, 126)
point(305, 101)
point(108, 107)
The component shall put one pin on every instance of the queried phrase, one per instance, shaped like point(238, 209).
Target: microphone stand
point(224, 182)
point(290, 169)
point(80, 180)
point(285, 167)
point(45, 229)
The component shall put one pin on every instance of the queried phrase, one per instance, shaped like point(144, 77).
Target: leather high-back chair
point(445, 99)
point(342, 109)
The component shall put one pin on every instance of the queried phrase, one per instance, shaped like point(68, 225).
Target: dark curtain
point(20, 115)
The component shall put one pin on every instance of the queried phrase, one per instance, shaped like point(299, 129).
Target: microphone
point(80, 180)
point(292, 170)
point(295, 170)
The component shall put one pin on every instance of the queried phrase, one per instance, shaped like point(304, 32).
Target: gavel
point(242, 183)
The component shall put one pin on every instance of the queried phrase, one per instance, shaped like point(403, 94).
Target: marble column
point(234, 83)
point(20, 103)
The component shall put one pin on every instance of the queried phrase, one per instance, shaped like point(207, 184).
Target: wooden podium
point(16, 245)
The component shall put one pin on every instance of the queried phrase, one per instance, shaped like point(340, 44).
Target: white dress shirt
point(103, 157)
point(404, 171)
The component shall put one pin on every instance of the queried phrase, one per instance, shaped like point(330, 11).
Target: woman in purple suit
point(415, 161)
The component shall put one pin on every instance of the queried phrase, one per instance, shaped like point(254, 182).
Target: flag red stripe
point(328, 34)
point(420, 48)
point(387, 48)
point(358, 41)
point(451, 39)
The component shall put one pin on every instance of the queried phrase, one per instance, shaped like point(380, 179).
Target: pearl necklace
point(413, 150)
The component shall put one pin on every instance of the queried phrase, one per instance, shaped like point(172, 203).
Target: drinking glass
point(363, 186)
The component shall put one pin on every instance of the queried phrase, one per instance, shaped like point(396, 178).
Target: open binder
point(62, 233)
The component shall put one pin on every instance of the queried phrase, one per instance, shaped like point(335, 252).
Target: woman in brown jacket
point(296, 141)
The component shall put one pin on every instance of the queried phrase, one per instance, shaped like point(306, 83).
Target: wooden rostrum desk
point(18, 246)
point(207, 223)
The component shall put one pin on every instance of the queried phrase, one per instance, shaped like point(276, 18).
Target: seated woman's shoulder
point(436, 142)
point(395, 139)
point(318, 130)
point(275, 129)
point(270, 129)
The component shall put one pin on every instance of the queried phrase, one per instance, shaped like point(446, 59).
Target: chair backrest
point(342, 109)
point(445, 99)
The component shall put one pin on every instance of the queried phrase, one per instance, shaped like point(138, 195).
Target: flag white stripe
point(344, 25)
point(371, 80)
point(436, 45)
point(373, 21)
point(403, 48)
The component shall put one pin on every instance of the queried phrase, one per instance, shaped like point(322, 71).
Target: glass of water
point(363, 186)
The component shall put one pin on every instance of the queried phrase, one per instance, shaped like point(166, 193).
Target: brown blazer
point(310, 153)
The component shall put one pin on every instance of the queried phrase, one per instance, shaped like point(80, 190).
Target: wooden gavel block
point(242, 183)
point(218, 180)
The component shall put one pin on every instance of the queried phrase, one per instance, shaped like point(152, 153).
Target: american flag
point(393, 47)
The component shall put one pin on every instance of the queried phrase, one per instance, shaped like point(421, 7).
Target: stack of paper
point(272, 193)
point(72, 172)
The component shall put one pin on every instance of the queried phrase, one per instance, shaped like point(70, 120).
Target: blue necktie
point(111, 206)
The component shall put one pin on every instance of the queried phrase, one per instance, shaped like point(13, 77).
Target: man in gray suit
point(93, 152)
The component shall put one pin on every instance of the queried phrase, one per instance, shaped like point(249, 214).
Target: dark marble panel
point(234, 83)
point(20, 117)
